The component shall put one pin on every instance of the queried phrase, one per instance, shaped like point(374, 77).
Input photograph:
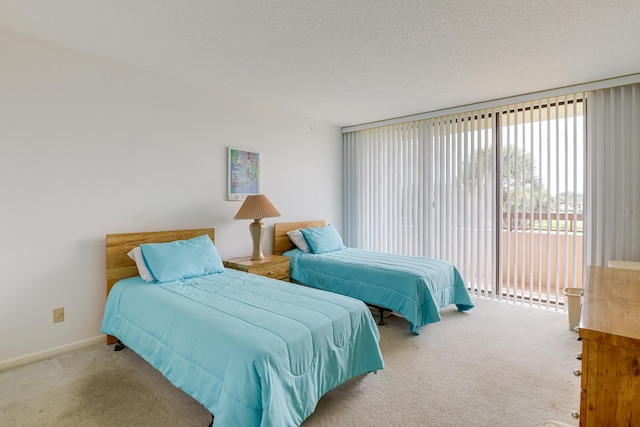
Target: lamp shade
point(256, 207)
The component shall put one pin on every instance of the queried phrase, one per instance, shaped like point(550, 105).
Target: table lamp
point(256, 207)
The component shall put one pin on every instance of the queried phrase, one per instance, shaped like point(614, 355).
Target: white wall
point(90, 146)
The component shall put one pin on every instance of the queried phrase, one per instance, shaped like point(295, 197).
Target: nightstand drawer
point(279, 271)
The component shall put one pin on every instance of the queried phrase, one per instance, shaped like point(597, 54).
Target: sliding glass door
point(496, 192)
point(542, 187)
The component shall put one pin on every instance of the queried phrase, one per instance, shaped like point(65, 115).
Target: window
point(504, 206)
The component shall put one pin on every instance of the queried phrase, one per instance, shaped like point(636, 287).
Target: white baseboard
point(45, 354)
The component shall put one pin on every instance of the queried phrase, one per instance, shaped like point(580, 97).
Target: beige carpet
point(497, 365)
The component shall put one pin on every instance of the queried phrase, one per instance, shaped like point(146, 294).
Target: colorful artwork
point(244, 173)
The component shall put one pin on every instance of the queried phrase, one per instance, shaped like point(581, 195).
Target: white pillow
point(298, 239)
point(136, 255)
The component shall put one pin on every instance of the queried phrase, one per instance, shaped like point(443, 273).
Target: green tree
point(572, 200)
point(522, 188)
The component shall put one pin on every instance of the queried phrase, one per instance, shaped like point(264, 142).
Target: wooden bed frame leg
point(119, 346)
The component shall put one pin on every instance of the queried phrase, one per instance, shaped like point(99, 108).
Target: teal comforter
point(253, 350)
point(415, 287)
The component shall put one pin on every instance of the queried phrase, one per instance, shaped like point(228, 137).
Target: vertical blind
point(613, 183)
point(435, 188)
point(425, 188)
point(542, 187)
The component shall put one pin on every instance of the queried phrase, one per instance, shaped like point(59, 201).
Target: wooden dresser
point(610, 333)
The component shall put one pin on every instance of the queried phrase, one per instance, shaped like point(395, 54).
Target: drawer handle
point(575, 414)
point(270, 273)
point(577, 372)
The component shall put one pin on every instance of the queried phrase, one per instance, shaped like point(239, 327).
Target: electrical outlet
point(58, 315)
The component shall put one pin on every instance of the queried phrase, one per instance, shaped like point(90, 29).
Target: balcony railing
point(572, 220)
point(541, 253)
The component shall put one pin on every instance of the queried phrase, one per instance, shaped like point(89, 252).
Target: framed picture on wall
point(244, 173)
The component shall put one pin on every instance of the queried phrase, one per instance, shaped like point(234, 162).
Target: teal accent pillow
point(182, 259)
point(323, 239)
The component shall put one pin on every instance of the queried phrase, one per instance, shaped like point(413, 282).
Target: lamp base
point(256, 228)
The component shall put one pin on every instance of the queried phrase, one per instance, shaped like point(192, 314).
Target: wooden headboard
point(281, 242)
point(120, 266)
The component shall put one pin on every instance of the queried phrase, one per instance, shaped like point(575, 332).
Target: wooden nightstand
point(273, 266)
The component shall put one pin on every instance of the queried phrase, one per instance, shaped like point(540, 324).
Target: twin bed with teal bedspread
point(254, 351)
point(415, 287)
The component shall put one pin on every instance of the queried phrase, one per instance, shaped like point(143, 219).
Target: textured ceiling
point(348, 62)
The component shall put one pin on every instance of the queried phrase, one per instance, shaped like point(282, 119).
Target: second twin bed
point(415, 287)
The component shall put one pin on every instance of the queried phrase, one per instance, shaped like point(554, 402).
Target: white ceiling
point(348, 62)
